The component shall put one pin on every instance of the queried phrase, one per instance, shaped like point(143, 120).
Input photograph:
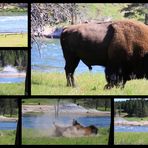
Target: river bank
point(3, 118)
point(124, 122)
point(12, 75)
point(63, 109)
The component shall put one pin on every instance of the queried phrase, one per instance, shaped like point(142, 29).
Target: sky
point(121, 99)
point(124, 99)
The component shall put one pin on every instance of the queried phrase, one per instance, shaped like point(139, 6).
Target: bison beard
point(121, 47)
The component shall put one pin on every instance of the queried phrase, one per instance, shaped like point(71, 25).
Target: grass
point(124, 138)
point(136, 118)
point(14, 40)
point(41, 101)
point(34, 137)
point(7, 137)
point(87, 84)
point(12, 89)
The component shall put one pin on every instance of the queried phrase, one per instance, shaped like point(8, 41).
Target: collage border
point(20, 97)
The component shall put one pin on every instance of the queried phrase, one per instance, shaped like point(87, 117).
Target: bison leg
point(109, 75)
point(114, 77)
point(69, 70)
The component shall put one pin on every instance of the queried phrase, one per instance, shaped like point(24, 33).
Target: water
point(46, 121)
point(13, 24)
point(12, 80)
point(51, 59)
point(11, 125)
point(131, 128)
point(10, 70)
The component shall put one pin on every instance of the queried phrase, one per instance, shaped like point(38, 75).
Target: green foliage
point(13, 57)
point(135, 10)
point(8, 106)
point(125, 138)
point(134, 107)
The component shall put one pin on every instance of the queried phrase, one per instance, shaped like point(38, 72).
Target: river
point(12, 80)
point(51, 58)
point(8, 125)
point(131, 128)
point(46, 121)
point(14, 24)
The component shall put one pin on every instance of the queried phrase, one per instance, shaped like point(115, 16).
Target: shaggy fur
point(121, 47)
point(127, 52)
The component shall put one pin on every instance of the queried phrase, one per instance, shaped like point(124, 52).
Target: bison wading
point(121, 47)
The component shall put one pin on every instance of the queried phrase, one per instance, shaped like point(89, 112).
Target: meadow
point(7, 137)
point(12, 89)
point(30, 136)
point(14, 40)
point(125, 138)
point(86, 84)
point(136, 118)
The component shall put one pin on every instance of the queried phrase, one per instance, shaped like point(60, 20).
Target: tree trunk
point(26, 81)
point(146, 19)
point(17, 138)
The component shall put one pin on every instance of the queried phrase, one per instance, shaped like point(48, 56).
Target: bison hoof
point(71, 85)
point(108, 86)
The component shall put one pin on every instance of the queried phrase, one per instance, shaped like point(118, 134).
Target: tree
point(137, 10)
point(56, 106)
point(17, 137)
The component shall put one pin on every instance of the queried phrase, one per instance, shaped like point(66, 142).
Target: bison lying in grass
point(76, 130)
point(120, 46)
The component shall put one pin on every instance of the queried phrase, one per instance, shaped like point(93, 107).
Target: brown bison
point(120, 46)
point(89, 130)
point(76, 130)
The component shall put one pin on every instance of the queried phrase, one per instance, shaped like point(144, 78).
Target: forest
point(17, 58)
point(74, 13)
point(14, 6)
point(133, 107)
point(8, 107)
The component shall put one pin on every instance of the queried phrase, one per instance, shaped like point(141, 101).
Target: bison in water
point(120, 46)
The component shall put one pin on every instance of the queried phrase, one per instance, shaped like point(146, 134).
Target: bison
point(120, 46)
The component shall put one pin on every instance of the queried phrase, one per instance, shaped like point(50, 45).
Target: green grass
point(12, 89)
point(124, 138)
point(41, 101)
point(87, 84)
point(37, 138)
point(103, 109)
point(14, 40)
point(136, 118)
point(7, 137)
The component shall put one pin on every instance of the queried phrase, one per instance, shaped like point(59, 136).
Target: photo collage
point(73, 74)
